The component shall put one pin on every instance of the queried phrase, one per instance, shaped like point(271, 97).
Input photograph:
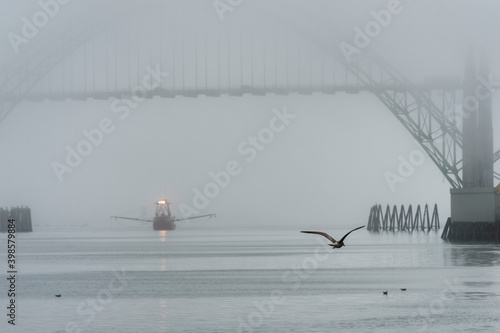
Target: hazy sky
point(323, 166)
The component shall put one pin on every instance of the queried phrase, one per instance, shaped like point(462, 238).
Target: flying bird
point(335, 244)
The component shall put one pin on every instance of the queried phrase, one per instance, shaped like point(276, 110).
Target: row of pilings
point(403, 219)
point(22, 215)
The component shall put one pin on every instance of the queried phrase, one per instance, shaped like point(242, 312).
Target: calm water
point(193, 280)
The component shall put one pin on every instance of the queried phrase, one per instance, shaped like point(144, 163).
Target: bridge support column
point(475, 208)
point(475, 215)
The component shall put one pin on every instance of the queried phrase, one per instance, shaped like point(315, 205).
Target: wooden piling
point(22, 215)
point(403, 219)
point(475, 231)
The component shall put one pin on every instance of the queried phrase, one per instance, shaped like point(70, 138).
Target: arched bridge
point(77, 58)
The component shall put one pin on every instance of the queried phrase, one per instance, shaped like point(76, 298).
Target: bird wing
point(322, 234)
point(350, 232)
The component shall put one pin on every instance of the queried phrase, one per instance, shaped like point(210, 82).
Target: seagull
point(58, 295)
point(336, 244)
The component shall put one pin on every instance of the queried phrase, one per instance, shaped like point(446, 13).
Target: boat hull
point(163, 223)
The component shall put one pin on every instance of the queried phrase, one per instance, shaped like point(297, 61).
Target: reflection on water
point(485, 258)
point(162, 323)
point(478, 295)
point(472, 255)
point(163, 266)
point(163, 234)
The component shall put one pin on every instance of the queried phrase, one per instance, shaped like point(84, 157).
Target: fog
point(325, 157)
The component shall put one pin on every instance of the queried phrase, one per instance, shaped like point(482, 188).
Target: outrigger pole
point(183, 219)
